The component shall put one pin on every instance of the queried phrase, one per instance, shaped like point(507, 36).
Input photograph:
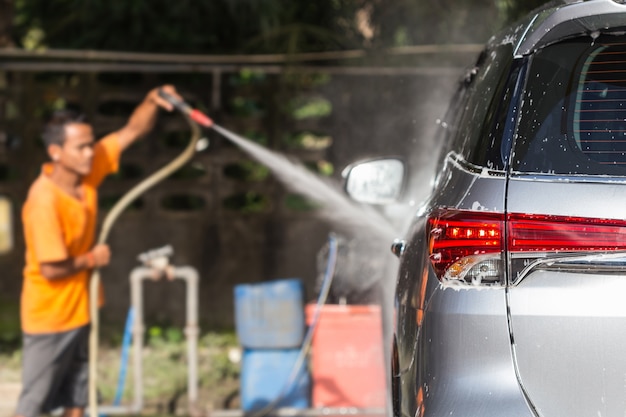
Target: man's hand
point(101, 255)
point(143, 118)
point(160, 101)
point(97, 257)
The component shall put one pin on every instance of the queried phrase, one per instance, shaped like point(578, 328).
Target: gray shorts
point(54, 372)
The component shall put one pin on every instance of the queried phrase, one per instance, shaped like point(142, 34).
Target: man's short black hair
point(54, 129)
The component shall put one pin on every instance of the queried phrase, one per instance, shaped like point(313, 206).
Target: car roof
point(560, 20)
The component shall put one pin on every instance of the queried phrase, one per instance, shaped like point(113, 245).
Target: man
point(59, 218)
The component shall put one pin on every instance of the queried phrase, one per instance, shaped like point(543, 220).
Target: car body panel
point(465, 334)
point(569, 342)
point(567, 325)
point(423, 309)
point(476, 189)
point(568, 196)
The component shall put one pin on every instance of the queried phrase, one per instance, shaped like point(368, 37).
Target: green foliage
point(514, 10)
point(164, 363)
point(308, 140)
point(246, 107)
point(247, 171)
point(186, 26)
point(223, 345)
point(309, 107)
point(11, 366)
point(413, 22)
point(165, 368)
point(247, 202)
point(256, 136)
point(162, 336)
point(325, 168)
point(303, 80)
point(298, 202)
point(253, 26)
point(247, 76)
point(10, 331)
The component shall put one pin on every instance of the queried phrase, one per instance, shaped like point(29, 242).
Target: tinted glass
point(447, 126)
point(573, 118)
point(479, 132)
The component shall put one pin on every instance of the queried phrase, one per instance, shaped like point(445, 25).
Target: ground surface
point(165, 373)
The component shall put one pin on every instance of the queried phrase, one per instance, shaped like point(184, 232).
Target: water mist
point(336, 207)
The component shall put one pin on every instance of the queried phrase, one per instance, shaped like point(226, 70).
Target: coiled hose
point(94, 283)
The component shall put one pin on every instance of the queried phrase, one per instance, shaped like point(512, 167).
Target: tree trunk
point(6, 23)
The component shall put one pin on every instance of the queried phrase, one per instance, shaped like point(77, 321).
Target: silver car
point(511, 293)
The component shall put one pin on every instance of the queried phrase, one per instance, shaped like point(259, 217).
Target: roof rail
point(577, 18)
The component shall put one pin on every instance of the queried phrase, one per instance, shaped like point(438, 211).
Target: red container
point(347, 359)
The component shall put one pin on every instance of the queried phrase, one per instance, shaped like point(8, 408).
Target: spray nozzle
point(180, 105)
point(157, 258)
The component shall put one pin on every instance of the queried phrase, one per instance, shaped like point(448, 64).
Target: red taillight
point(467, 246)
point(458, 240)
point(532, 232)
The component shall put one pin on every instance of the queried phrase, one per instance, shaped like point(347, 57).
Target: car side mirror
point(376, 181)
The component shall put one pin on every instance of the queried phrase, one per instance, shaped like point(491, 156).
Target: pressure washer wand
point(194, 114)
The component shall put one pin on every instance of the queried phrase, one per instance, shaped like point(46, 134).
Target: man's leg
point(48, 366)
point(39, 367)
point(74, 393)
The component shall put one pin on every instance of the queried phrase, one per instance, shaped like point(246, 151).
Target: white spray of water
point(337, 208)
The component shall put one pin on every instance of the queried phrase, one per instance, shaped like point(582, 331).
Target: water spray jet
point(336, 207)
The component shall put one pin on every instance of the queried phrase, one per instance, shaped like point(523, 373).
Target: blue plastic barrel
point(270, 315)
point(264, 374)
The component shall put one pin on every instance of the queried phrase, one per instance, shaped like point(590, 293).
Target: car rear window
point(573, 117)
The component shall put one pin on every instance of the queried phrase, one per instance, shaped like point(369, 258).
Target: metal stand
point(190, 275)
point(137, 276)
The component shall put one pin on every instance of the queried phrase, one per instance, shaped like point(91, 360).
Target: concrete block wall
point(223, 215)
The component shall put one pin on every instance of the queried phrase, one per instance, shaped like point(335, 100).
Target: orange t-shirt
point(58, 226)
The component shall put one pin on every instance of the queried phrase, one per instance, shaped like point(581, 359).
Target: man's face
point(76, 153)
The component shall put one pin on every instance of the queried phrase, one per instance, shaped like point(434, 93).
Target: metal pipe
point(307, 412)
point(247, 59)
point(28, 66)
point(190, 276)
point(136, 299)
